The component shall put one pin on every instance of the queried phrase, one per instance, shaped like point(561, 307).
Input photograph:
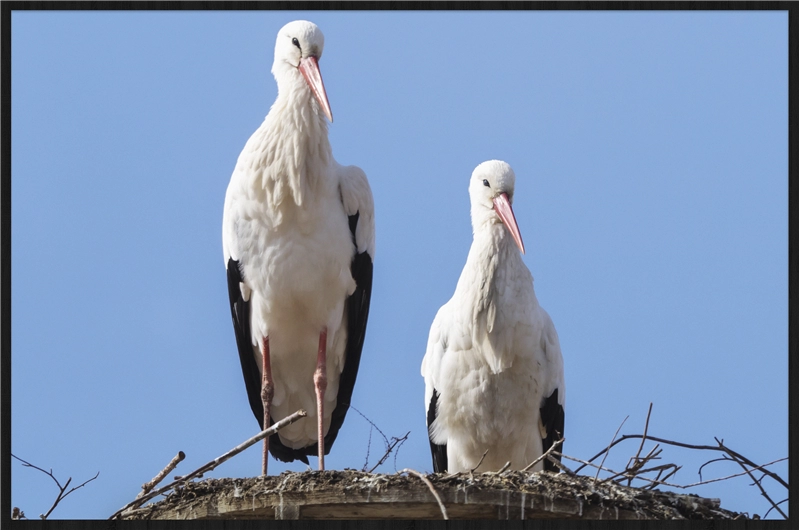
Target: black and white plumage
point(298, 240)
point(493, 369)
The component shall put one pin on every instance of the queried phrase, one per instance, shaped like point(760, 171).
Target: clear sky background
point(650, 150)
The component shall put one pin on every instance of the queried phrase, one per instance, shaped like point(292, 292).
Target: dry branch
point(471, 471)
point(636, 465)
point(560, 465)
point(721, 448)
point(429, 485)
point(145, 489)
point(662, 482)
point(607, 450)
point(62, 489)
point(389, 449)
point(288, 420)
point(768, 512)
point(545, 455)
point(759, 485)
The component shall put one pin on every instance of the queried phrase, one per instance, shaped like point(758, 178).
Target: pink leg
point(267, 392)
point(320, 383)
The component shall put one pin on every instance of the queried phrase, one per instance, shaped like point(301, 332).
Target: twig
point(769, 510)
point(560, 464)
point(646, 428)
point(369, 444)
point(389, 449)
point(722, 459)
point(397, 448)
point(674, 469)
point(633, 474)
point(607, 451)
point(759, 485)
point(288, 420)
point(368, 448)
point(430, 486)
point(471, 471)
point(61, 494)
point(588, 463)
point(546, 454)
point(160, 476)
point(672, 472)
point(634, 465)
point(503, 468)
point(688, 446)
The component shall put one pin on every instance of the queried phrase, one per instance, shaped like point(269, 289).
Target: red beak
point(309, 67)
point(505, 212)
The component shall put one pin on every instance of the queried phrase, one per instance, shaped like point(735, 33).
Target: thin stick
point(503, 468)
point(560, 465)
point(636, 463)
point(667, 483)
point(61, 494)
point(478, 463)
point(288, 420)
point(430, 486)
point(766, 515)
point(760, 486)
point(724, 458)
point(646, 428)
point(160, 476)
point(723, 448)
point(633, 473)
point(607, 451)
point(389, 449)
point(546, 454)
point(368, 445)
point(672, 472)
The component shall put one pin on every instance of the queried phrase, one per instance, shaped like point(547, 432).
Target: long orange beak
point(309, 67)
point(503, 208)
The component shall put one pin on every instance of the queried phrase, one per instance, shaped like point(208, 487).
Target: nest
point(353, 494)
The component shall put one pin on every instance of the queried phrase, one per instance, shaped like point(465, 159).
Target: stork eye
point(296, 43)
point(486, 184)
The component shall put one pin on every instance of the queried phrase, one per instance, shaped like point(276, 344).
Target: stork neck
point(493, 237)
point(295, 148)
point(492, 248)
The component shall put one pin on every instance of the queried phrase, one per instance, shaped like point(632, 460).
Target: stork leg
point(320, 383)
point(267, 392)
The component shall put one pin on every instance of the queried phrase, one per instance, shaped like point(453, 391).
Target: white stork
point(493, 369)
point(298, 238)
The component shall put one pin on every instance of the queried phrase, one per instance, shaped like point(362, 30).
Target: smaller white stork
point(298, 239)
point(493, 369)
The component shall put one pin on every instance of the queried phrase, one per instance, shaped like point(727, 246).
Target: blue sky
point(651, 157)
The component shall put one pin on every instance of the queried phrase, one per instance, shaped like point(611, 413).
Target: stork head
point(491, 192)
point(297, 52)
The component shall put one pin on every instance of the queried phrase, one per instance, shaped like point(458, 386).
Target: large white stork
point(298, 238)
point(493, 369)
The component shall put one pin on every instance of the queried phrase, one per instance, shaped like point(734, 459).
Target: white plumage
point(493, 368)
point(298, 240)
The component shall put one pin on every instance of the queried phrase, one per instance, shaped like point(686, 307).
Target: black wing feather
point(553, 418)
point(439, 452)
point(240, 310)
point(357, 314)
